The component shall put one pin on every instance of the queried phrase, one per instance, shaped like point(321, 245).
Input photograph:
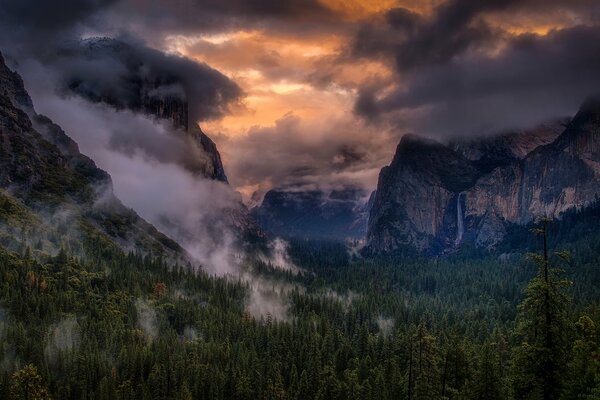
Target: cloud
point(441, 68)
point(345, 300)
point(158, 18)
point(268, 297)
point(297, 152)
point(127, 74)
point(414, 40)
point(50, 16)
point(144, 158)
point(278, 257)
point(533, 78)
point(37, 26)
point(385, 325)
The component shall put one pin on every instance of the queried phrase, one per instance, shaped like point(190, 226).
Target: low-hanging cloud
point(125, 73)
point(144, 158)
point(268, 297)
point(146, 319)
point(277, 256)
point(143, 155)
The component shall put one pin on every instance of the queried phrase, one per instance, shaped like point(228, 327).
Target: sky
point(315, 94)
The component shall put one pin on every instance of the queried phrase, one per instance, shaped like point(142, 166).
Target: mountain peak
point(590, 106)
point(434, 162)
point(581, 134)
point(411, 141)
point(588, 113)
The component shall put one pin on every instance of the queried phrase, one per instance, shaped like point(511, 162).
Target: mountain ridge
point(60, 192)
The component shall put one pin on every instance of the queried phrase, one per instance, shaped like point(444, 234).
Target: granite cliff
point(435, 197)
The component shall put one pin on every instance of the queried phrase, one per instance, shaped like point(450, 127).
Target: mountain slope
point(52, 195)
point(433, 197)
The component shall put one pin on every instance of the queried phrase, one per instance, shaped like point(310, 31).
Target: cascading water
point(460, 227)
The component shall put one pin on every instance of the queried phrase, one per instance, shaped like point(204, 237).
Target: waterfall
point(460, 228)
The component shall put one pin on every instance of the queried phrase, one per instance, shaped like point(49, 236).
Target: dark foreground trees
point(542, 330)
point(129, 327)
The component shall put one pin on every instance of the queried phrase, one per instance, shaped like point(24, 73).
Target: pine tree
point(487, 381)
point(542, 329)
point(423, 372)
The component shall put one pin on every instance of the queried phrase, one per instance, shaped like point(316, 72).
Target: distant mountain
point(433, 197)
point(52, 196)
point(338, 214)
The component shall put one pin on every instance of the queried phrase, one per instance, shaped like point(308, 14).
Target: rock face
point(338, 214)
point(50, 190)
point(434, 197)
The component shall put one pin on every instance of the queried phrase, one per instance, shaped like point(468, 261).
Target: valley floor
point(115, 326)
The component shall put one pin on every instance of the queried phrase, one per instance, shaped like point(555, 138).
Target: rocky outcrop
point(54, 191)
point(435, 197)
point(337, 214)
point(214, 168)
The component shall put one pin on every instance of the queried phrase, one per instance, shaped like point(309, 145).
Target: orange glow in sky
point(306, 75)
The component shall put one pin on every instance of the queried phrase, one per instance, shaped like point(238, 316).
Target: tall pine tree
point(542, 330)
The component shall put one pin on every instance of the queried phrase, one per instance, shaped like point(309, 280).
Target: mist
point(146, 319)
point(144, 157)
point(63, 336)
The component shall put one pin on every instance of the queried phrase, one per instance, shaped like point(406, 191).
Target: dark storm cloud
point(157, 18)
point(459, 72)
point(36, 27)
point(413, 40)
point(533, 78)
point(456, 26)
point(109, 69)
point(48, 16)
point(450, 32)
point(121, 73)
point(292, 9)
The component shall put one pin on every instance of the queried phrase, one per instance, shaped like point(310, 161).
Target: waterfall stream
point(460, 228)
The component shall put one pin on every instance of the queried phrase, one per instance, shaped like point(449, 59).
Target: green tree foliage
point(542, 329)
